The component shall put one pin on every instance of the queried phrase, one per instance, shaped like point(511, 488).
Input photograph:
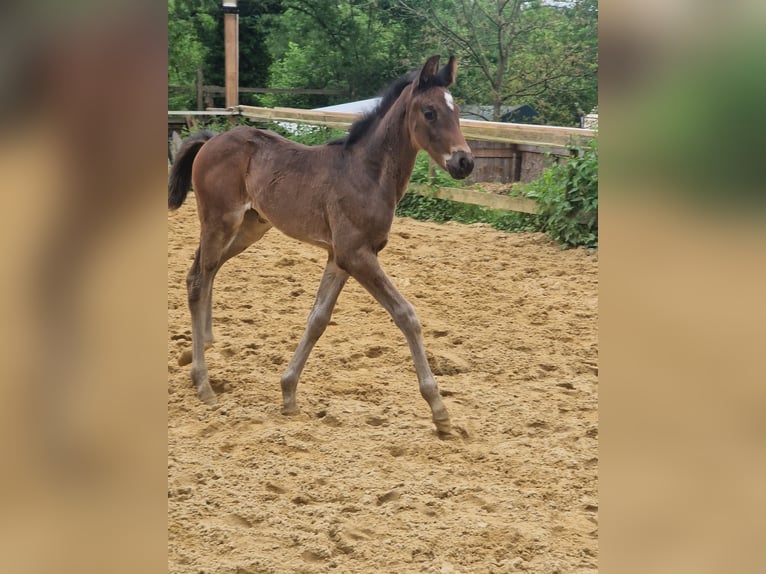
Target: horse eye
point(429, 114)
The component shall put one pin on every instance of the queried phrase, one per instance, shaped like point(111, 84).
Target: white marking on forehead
point(449, 100)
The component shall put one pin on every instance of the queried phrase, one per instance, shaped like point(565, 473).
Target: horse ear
point(428, 73)
point(446, 75)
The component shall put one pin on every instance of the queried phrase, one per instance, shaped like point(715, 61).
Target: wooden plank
point(546, 136)
point(539, 136)
point(298, 91)
point(541, 149)
point(533, 164)
point(321, 118)
point(203, 113)
point(493, 152)
point(473, 197)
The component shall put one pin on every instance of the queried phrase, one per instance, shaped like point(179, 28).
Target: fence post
point(231, 49)
point(200, 90)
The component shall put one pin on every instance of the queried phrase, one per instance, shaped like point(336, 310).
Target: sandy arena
point(359, 481)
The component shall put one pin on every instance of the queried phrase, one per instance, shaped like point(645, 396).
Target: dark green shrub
point(567, 196)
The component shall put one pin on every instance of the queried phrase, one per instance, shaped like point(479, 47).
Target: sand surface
point(359, 481)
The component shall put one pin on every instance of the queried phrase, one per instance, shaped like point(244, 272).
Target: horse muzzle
point(460, 164)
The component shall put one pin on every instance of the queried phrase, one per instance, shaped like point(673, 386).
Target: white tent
point(359, 107)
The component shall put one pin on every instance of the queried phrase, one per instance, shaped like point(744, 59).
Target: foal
point(340, 196)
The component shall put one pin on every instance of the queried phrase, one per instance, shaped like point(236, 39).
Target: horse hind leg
point(252, 229)
point(213, 244)
point(199, 286)
point(193, 282)
point(215, 249)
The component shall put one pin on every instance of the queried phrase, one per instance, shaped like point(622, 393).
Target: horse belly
point(294, 215)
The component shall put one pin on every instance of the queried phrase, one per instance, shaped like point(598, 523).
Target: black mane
point(367, 122)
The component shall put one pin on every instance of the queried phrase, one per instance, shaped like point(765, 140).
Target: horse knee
point(406, 319)
point(199, 274)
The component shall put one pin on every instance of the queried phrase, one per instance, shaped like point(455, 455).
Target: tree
point(357, 46)
point(196, 40)
point(186, 53)
point(520, 51)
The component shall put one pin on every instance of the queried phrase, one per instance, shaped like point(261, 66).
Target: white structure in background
point(590, 121)
point(359, 107)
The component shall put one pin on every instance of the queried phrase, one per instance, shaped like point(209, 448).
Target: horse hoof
point(444, 428)
point(208, 397)
point(454, 433)
point(290, 410)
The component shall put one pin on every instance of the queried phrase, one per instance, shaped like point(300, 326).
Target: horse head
point(434, 120)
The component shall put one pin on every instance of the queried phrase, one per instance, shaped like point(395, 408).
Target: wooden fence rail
point(474, 197)
point(525, 134)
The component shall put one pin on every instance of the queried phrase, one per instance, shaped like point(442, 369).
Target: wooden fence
point(511, 162)
point(524, 134)
point(503, 152)
point(205, 92)
point(475, 197)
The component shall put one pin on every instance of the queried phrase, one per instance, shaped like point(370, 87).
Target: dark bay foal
point(339, 196)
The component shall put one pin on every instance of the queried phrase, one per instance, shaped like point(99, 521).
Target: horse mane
point(366, 123)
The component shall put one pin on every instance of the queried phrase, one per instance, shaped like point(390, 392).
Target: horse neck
point(389, 150)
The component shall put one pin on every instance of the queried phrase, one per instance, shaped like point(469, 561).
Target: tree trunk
point(496, 101)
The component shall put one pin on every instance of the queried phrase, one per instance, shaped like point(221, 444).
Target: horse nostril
point(466, 164)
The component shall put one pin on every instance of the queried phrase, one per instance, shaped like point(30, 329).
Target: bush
point(441, 210)
point(567, 196)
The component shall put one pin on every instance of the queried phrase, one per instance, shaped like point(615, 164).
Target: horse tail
point(179, 180)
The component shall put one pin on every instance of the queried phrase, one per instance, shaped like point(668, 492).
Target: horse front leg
point(333, 280)
point(366, 269)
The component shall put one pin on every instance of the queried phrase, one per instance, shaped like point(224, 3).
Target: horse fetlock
point(187, 355)
point(202, 384)
point(443, 426)
point(440, 416)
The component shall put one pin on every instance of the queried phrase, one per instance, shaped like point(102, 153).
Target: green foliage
point(567, 196)
point(427, 173)
point(518, 52)
point(298, 68)
point(185, 54)
point(566, 193)
point(217, 124)
point(307, 135)
point(426, 208)
point(196, 40)
point(337, 44)
point(522, 51)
